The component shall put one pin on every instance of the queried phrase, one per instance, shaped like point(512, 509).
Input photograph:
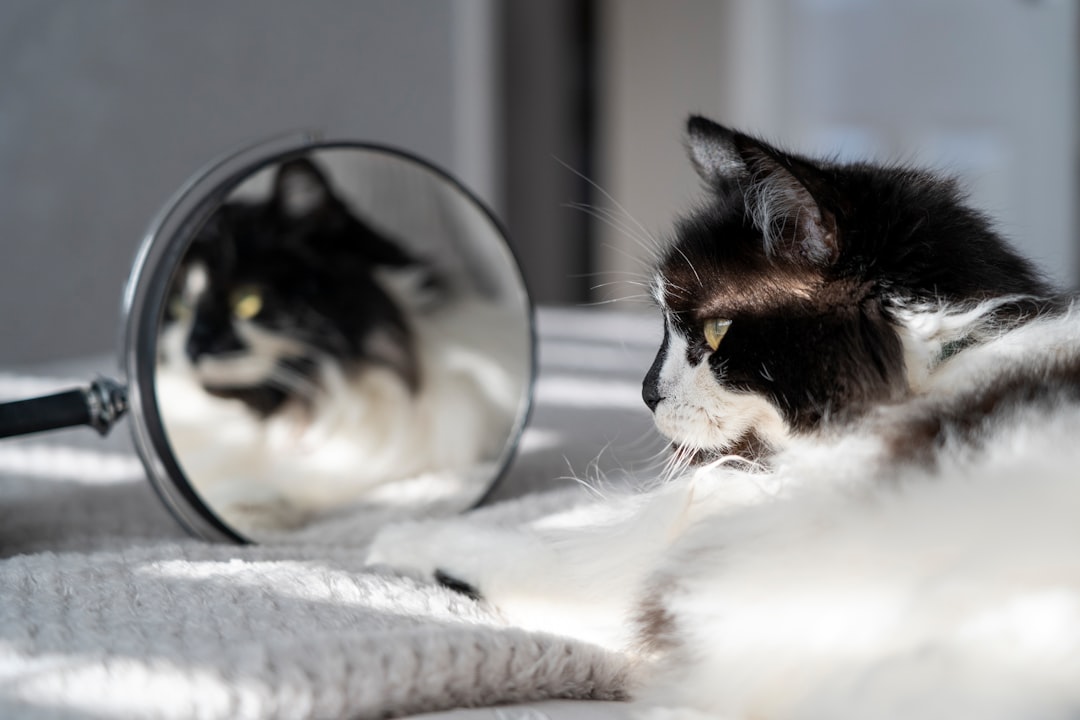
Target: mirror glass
point(341, 336)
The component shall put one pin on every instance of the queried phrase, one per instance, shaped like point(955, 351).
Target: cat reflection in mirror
point(275, 288)
point(300, 361)
point(874, 403)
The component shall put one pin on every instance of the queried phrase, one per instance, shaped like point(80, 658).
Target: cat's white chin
point(749, 447)
point(748, 427)
point(237, 370)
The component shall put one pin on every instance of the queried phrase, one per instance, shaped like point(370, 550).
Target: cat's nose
point(650, 393)
point(205, 340)
point(650, 386)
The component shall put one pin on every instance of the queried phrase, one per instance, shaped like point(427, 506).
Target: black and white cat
point(876, 405)
point(303, 362)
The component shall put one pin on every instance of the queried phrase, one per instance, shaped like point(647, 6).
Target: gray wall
point(107, 107)
point(986, 90)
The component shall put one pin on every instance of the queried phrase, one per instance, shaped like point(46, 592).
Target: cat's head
point(779, 292)
point(273, 291)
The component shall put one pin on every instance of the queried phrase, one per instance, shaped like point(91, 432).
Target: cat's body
point(875, 403)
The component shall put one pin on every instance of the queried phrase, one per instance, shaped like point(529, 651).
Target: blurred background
point(106, 108)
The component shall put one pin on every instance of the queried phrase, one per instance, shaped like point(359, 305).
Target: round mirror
point(321, 337)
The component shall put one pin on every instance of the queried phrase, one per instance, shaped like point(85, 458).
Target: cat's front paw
point(520, 574)
point(447, 552)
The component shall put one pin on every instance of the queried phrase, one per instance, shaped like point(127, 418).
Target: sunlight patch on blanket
point(314, 582)
point(61, 462)
point(63, 685)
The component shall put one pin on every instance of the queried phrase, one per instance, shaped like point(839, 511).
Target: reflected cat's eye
point(715, 329)
point(247, 302)
point(179, 308)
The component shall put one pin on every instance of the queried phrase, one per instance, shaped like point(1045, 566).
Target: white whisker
point(688, 263)
point(646, 244)
point(613, 201)
point(645, 299)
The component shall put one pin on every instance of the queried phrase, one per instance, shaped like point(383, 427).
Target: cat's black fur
point(812, 307)
point(315, 266)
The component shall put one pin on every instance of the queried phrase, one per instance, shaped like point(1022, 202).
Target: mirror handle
point(99, 405)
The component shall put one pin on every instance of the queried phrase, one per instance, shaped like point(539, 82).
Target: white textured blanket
point(108, 611)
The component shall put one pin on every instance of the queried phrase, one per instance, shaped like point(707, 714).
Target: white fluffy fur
point(834, 585)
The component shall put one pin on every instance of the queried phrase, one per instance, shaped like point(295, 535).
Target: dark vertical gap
point(548, 113)
point(587, 114)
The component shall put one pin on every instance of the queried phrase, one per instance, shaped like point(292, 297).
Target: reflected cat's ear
point(301, 189)
point(782, 193)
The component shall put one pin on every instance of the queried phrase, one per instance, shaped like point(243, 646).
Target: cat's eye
point(247, 302)
point(715, 329)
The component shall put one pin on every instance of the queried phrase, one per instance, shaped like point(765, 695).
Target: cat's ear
point(714, 150)
point(781, 192)
point(300, 189)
